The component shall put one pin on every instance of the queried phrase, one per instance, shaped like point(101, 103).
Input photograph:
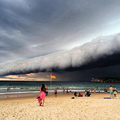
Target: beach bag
point(72, 98)
point(116, 97)
point(46, 92)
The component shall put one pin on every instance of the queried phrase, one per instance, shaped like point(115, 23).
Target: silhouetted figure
point(75, 93)
point(67, 90)
point(87, 94)
point(55, 91)
point(80, 95)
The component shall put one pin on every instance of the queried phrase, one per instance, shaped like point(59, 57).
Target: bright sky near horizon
point(36, 32)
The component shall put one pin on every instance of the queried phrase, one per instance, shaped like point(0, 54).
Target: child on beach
point(55, 91)
point(80, 95)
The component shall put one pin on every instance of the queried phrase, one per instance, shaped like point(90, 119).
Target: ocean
point(29, 88)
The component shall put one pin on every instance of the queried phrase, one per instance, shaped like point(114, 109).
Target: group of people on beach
point(9, 87)
point(87, 93)
point(44, 88)
point(67, 91)
point(78, 94)
point(43, 92)
point(91, 90)
point(113, 92)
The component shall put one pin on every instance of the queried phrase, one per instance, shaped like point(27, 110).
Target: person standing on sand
point(115, 91)
point(63, 90)
point(70, 90)
point(89, 90)
point(67, 90)
point(55, 91)
point(42, 94)
point(94, 90)
point(111, 91)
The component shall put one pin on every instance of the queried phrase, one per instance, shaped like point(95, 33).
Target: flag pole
point(51, 83)
point(52, 76)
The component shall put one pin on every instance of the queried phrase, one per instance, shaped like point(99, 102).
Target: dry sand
point(61, 107)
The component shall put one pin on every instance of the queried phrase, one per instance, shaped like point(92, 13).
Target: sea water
point(33, 87)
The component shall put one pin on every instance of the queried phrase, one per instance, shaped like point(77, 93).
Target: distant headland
point(106, 80)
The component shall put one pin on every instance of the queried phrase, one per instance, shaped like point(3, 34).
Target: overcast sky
point(42, 35)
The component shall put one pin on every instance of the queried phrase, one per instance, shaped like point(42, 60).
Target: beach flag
point(52, 76)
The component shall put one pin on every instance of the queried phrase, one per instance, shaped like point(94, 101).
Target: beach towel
point(107, 98)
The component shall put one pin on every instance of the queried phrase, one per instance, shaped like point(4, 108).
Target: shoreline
point(60, 96)
point(31, 95)
point(26, 94)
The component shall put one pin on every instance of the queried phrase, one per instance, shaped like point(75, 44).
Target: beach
point(61, 107)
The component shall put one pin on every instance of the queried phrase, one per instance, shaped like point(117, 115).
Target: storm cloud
point(97, 51)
